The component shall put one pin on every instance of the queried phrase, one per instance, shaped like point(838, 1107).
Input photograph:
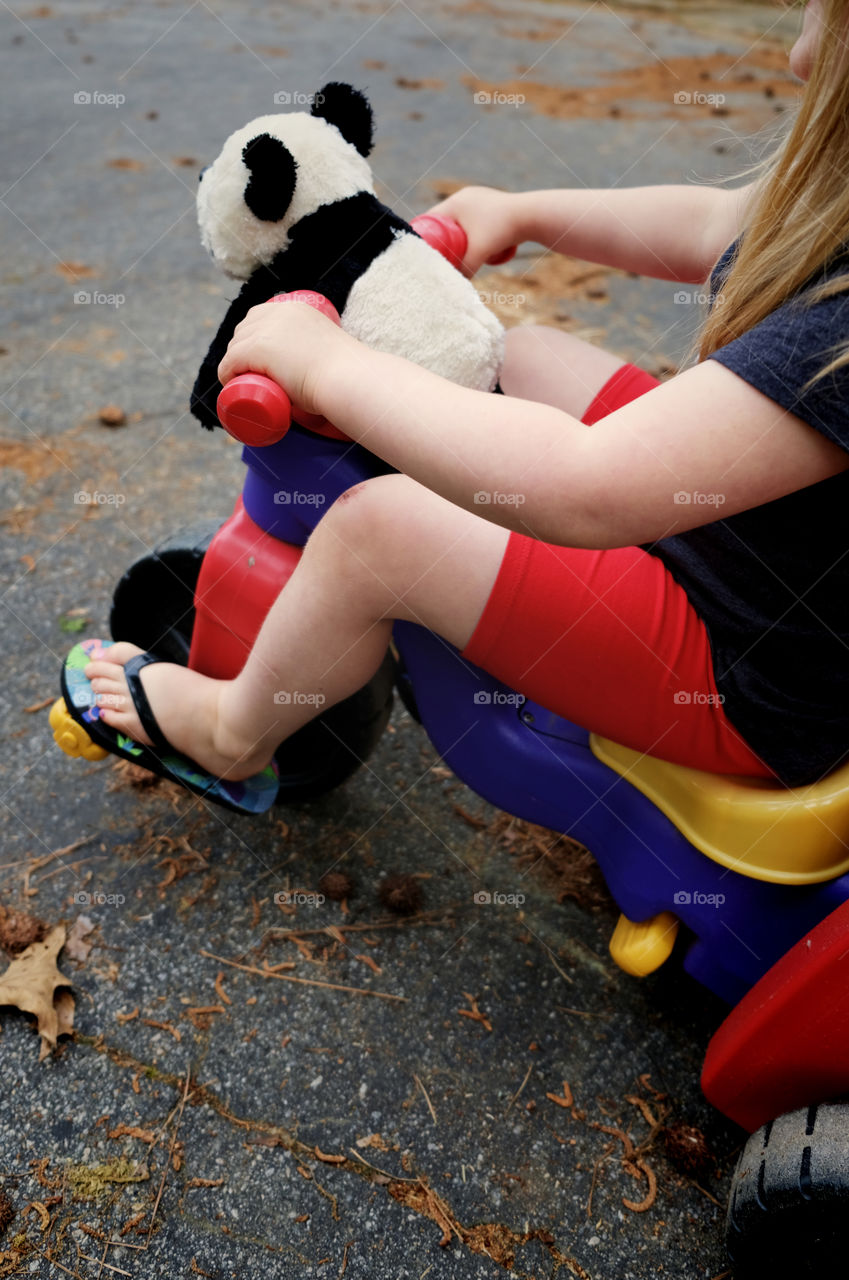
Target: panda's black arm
point(262, 285)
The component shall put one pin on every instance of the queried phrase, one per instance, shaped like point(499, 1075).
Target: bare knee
point(371, 507)
point(363, 533)
point(553, 367)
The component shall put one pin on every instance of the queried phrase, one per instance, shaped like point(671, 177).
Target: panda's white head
point(279, 168)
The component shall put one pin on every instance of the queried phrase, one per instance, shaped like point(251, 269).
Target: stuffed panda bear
point(289, 204)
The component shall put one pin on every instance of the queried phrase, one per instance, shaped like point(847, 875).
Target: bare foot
point(185, 704)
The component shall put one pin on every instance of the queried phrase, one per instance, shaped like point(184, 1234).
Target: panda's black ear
point(272, 182)
point(347, 108)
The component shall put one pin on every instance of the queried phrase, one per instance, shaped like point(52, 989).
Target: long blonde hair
point(799, 214)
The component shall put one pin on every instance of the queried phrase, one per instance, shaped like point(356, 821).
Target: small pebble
point(111, 416)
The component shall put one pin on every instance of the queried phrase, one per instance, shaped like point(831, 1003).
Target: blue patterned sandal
point(250, 795)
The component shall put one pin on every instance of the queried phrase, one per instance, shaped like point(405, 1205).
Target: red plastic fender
point(242, 574)
point(786, 1044)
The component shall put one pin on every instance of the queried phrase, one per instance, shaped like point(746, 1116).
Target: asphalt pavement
point(394, 1113)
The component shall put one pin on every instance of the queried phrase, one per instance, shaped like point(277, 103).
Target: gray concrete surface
point(100, 198)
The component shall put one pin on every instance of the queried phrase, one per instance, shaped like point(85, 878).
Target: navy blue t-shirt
point(772, 583)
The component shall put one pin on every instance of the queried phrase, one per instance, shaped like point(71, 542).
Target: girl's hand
point(290, 342)
point(490, 219)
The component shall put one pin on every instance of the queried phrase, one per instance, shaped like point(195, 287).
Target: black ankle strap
point(139, 697)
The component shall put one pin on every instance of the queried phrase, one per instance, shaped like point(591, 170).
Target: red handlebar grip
point(448, 238)
point(254, 409)
point(443, 234)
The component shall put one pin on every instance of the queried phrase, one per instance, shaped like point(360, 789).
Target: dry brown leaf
point(76, 946)
point(30, 984)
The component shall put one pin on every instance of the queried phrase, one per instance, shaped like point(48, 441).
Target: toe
point(111, 702)
point(122, 651)
point(101, 669)
point(111, 660)
point(109, 693)
point(118, 719)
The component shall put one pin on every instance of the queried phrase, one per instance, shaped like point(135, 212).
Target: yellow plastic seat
point(754, 826)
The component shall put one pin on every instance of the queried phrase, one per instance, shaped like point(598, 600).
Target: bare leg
point(556, 368)
point(387, 549)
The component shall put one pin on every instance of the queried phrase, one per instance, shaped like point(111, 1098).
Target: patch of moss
point(93, 1182)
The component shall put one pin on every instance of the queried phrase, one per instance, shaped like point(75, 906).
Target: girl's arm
point(700, 447)
point(669, 232)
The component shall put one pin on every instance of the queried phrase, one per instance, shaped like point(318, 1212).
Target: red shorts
point(609, 640)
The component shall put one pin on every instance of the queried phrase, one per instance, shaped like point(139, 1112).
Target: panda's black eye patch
point(272, 182)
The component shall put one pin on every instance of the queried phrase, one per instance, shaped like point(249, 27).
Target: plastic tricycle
point(752, 878)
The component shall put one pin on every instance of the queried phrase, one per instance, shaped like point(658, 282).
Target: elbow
point(583, 506)
point(587, 526)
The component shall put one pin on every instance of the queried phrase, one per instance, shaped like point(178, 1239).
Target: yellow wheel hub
point(71, 736)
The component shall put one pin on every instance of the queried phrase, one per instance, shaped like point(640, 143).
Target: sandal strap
point(143, 709)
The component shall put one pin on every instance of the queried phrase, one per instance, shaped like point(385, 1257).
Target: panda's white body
point(412, 303)
point(406, 300)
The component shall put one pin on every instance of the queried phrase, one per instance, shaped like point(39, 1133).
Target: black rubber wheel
point(153, 605)
point(788, 1213)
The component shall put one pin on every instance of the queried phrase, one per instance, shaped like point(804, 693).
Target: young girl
point(607, 588)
